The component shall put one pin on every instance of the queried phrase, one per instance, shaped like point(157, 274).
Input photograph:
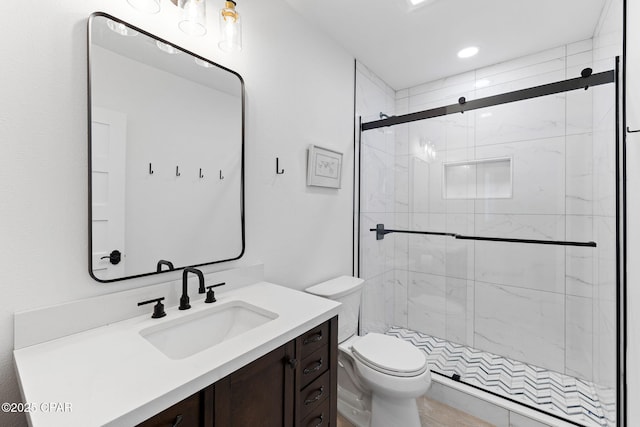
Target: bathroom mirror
point(166, 139)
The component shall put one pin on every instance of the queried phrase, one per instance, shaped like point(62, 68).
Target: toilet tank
point(348, 291)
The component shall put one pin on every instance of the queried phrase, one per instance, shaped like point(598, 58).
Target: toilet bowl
point(379, 376)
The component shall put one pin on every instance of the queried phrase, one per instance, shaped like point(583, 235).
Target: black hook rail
point(381, 232)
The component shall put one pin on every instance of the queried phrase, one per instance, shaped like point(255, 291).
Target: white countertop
point(112, 376)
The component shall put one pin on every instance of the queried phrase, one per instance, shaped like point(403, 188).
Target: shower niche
point(478, 179)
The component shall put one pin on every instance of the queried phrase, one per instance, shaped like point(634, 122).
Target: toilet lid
point(390, 355)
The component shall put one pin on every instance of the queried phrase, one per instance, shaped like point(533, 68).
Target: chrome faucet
point(184, 299)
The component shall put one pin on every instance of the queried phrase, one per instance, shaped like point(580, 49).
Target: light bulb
point(193, 17)
point(230, 28)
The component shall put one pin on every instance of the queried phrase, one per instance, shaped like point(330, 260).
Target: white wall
point(299, 87)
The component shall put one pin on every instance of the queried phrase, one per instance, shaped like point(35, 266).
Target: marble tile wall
point(377, 203)
point(539, 304)
point(550, 306)
point(607, 44)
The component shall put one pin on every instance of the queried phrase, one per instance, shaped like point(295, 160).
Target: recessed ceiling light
point(468, 52)
point(414, 4)
point(482, 83)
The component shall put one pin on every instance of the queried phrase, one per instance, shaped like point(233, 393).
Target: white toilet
point(379, 376)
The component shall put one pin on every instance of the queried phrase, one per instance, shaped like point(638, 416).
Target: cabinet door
point(260, 394)
point(185, 413)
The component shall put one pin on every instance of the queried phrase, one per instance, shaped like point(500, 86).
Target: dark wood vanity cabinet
point(259, 394)
point(188, 412)
point(292, 386)
point(317, 376)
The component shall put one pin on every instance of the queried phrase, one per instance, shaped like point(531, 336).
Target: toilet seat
point(389, 355)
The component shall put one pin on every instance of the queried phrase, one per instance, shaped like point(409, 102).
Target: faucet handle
point(211, 297)
point(158, 309)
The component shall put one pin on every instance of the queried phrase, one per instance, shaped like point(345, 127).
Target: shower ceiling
point(406, 46)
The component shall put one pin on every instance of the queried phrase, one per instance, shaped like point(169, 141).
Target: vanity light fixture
point(468, 52)
point(145, 6)
point(120, 28)
point(230, 28)
point(193, 20)
point(193, 16)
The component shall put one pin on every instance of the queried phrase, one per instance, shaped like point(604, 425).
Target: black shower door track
point(463, 105)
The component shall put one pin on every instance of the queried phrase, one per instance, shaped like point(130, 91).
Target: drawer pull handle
point(320, 421)
point(178, 421)
point(313, 338)
point(315, 398)
point(316, 368)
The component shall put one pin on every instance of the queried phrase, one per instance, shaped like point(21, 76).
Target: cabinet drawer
point(319, 417)
point(184, 413)
point(314, 365)
point(314, 339)
point(312, 396)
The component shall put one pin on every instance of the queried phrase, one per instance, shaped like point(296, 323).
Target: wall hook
point(584, 74)
point(462, 100)
point(632, 131)
point(150, 169)
point(278, 171)
point(200, 175)
point(221, 177)
point(177, 170)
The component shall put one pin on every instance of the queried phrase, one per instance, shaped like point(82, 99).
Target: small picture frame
point(324, 167)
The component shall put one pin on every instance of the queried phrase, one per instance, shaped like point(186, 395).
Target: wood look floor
point(436, 414)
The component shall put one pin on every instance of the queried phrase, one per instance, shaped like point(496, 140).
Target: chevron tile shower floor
point(570, 398)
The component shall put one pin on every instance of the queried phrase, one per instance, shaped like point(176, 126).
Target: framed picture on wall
point(324, 167)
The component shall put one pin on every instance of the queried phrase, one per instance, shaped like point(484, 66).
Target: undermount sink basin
point(194, 333)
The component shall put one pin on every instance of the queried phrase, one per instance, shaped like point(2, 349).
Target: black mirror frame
point(242, 151)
